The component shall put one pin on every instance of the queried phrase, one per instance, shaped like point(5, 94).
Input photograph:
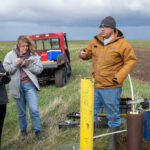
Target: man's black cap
point(108, 22)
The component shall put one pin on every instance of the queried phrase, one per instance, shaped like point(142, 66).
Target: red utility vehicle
point(55, 57)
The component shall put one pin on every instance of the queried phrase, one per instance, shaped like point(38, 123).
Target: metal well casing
point(134, 131)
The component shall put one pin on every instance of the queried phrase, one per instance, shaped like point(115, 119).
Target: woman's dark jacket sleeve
point(3, 80)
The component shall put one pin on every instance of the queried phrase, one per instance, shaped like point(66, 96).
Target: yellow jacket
point(113, 60)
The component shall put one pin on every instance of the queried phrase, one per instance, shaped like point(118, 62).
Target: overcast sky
point(80, 19)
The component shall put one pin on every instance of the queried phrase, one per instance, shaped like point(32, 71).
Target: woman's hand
point(18, 61)
point(25, 63)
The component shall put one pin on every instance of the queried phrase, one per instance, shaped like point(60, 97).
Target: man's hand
point(83, 53)
point(115, 80)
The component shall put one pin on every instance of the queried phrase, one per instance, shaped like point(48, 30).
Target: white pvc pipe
point(132, 93)
point(98, 136)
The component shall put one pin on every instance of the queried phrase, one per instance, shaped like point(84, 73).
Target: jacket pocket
point(105, 80)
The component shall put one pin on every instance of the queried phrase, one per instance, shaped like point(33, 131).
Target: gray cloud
point(29, 16)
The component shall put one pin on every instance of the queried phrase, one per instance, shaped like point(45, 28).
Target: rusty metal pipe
point(134, 131)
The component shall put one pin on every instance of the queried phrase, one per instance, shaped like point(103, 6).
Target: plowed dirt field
point(141, 70)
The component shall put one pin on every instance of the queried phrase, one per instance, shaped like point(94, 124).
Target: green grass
point(140, 43)
point(56, 103)
point(5, 46)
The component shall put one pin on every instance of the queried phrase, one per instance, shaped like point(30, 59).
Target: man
point(113, 58)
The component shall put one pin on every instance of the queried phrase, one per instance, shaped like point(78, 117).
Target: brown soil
point(141, 70)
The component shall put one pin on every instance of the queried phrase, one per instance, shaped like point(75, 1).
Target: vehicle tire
point(60, 78)
point(65, 71)
point(69, 71)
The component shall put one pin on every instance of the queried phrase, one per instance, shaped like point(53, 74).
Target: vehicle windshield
point(46, 44)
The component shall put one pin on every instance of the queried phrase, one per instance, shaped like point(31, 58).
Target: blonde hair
point(25, 39)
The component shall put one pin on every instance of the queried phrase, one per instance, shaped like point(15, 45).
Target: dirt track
point(141, 70)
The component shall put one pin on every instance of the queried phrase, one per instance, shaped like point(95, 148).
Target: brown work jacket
point(113, 60)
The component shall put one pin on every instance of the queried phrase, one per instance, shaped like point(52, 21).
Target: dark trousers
point(2, 117)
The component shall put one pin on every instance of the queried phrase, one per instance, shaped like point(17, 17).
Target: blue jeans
point(28, 96)
point(110, 99)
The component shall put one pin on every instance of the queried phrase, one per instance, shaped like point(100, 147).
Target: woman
point(24, 66)
point(4, 79)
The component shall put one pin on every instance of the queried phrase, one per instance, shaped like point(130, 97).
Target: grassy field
point(56, 103)
point(140, 43)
